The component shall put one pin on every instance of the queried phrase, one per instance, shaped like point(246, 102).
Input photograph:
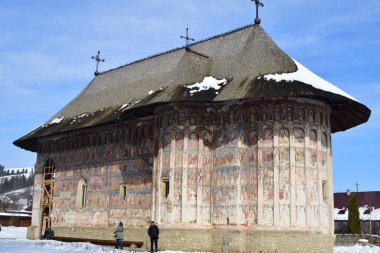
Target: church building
point(225, 143)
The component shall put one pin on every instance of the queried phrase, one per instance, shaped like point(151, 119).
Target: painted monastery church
point(224, 143)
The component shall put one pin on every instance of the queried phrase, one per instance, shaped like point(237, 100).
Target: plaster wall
point(256, 168)
point(264, 164)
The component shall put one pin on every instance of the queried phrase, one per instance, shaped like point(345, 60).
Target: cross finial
point(258, 4)
point(187, 38)
point(357, 186)
point(97, 59)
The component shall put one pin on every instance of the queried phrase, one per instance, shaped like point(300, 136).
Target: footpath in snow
point(12, 240)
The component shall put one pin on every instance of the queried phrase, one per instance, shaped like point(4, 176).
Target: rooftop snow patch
point(208, 82)
point(373, 215)
point(79, 117)
point(154, 91)
point(306, 76)
point(57, 120)
point(126, 106)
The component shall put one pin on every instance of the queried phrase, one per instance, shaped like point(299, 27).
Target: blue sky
point(46, 48)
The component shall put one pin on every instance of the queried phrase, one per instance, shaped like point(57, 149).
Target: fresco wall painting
point(104, 169)
point(284, 179)
point(246, 166)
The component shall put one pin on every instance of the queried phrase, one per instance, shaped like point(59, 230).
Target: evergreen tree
point(353, 215)
point(2, 172)
point(16, 182)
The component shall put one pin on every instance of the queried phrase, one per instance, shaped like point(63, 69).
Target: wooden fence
point(341, 227)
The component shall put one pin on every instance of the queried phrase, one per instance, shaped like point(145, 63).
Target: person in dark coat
point(153, 233)
point(119, 235)
point(48, 234)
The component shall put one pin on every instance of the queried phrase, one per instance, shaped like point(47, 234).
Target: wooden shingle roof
point(242, 56)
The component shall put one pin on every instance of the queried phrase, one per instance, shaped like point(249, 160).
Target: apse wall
point(265, 163)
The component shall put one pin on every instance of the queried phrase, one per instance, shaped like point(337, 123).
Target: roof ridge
point(178, 48)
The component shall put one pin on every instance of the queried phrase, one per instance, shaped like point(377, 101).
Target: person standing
point(119, 235)
point(153, 233)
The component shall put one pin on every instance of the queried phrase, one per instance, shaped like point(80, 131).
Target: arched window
point(81, 194)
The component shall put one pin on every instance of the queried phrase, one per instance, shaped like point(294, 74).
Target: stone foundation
point(32, 233)
point(217, 240)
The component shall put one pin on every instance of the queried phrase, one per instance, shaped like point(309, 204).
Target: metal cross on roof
point(258, 4)
point(97, 59)
point(357, 186)
point(187, 38)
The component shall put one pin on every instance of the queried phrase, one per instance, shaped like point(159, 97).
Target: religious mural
point(178, 170)
point(266, 174)
point(284, 182)
point(238, 161)
point(104, 169)
point(166, 171)
point(192, 178)
point(204, 179)
point(220, 166)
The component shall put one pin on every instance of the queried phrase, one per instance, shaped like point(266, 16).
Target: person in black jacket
point(153, 233)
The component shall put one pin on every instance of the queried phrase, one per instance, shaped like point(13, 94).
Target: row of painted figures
point(251, 115)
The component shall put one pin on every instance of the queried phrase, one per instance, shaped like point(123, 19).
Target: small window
point(84, 190)
point(123, 191)
point(342, 211)
point(81, 193)
point(367, 211)
point(324, 191)
point(166, 187)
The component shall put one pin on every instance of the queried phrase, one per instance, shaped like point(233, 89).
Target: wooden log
point(97, 241)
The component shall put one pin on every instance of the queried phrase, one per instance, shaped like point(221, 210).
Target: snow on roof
point(126, 106)
point(340, 216)
point(57, 120)
point(209, 82)
point(374, 215)
point(79, 117)
point(15, 214)
point(306, 76)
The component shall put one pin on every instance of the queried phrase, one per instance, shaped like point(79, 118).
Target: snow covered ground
point(12, 240)
point(12, 233)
